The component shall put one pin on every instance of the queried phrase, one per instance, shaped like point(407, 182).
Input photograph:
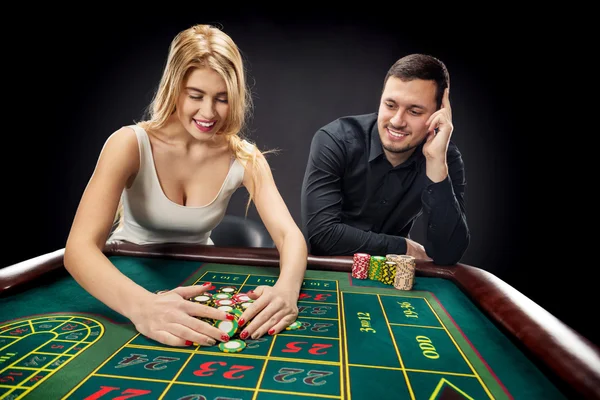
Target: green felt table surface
point(360, 339)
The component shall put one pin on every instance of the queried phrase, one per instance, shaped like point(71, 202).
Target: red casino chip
point(224, 302)
point(241, 298)
point(360, 266)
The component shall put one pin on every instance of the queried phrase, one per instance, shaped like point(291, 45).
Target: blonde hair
point(202, 46)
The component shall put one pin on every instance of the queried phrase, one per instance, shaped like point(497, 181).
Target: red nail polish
point(206, 284)
point(271, 331)
point(230, 317)
point(225, 337)
point(250, 291)
point(188, 343)
point(244, 335)
point(241, 322)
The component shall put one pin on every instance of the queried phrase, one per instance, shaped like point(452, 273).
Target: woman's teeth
point(205, 124)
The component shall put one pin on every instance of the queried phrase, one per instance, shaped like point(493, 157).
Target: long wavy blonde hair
point(202, 46)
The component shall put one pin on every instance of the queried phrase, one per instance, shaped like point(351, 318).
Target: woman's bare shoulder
point(121, 149)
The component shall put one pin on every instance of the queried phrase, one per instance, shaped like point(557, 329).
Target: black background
point(71, 81)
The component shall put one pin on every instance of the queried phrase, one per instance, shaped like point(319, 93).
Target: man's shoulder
point(351, 126)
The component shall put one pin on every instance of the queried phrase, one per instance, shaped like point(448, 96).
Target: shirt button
point(383, 201)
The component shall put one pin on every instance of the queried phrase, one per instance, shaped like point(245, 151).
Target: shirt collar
point(376, 147)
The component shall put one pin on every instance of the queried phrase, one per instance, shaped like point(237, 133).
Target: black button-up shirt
point(354, 201)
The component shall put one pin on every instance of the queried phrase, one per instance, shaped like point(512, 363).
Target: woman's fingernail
point(244, 335)
point(250, 291)
point(230, 317)
point(212, 342)
point(188, 343)
point(271, 331)
point(225, 337)
point(206, 284)
point(241, 322)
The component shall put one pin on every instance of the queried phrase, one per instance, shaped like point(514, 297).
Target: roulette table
point(459, 333)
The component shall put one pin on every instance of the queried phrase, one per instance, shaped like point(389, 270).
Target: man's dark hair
point(421, 66)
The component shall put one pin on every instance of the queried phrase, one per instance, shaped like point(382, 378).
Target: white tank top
point(149, 216)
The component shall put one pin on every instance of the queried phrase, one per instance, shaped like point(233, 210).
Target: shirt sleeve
point(444, 206)
point(321, 205)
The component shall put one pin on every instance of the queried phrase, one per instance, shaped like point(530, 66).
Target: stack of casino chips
point(388, 272)
point(390, 267)
point(360, 266)
point(393, 269)
point(228, 299)
point(405, 273)
point(376, 267)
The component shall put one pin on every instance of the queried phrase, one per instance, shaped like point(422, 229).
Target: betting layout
point(305, 361)
point(32, 350)
point(387, 336)
point(410, 340)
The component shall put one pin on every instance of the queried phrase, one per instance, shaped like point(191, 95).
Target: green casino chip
point(233, 346)
point(221, 296)
point(294, 325)
point(227, 326)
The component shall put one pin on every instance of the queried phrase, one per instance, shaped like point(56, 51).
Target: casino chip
point(293, 326)
point(226, 309)
point(242, 298)
point(227, 326)
point(224, 302)
point(233, 346)
point(228, 289)
point(202, 299)
point(360, 265)
point(221, 296)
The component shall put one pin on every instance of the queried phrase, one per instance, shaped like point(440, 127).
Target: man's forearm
point(341, 239)
point(436, 170)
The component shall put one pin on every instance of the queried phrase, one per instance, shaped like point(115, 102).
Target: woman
point(173, 176)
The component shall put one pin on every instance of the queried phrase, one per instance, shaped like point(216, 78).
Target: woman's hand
point(170, 318)
point(274, 308)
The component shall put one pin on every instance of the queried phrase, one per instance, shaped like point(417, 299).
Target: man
point(370, 176)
